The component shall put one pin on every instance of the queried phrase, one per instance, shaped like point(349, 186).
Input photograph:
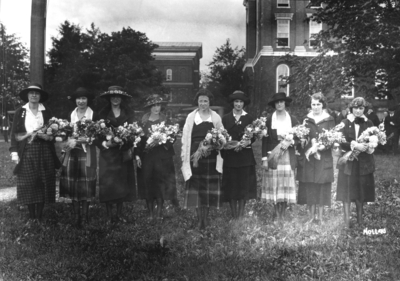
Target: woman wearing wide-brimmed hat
point(116, 170)
point(239, 181)
point(356, 178)
point(278, 183)
point(78, 174)
point(156, 170)
point(35, 157)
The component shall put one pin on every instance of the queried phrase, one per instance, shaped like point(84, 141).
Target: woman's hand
point(82, 140)
point(138, 162)
point(361, 147)
point(111, 144)
point(321, 147)
point(265, 165)
point(303, 142)
point(45, 137)
point(71, 143)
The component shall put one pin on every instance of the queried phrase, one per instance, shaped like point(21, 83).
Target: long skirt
point(77, 182)
point(355, 186)
point(36, 179)
point(156, 179)
point(203, 189)
point(314, 194)
point(239, 183)
point(279, 185)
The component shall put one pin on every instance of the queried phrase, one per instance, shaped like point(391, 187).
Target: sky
point(210, 22)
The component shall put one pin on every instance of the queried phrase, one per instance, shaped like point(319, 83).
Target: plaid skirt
point(36, 179)
point(203, 189)
point(77, 182)
point(279, 185)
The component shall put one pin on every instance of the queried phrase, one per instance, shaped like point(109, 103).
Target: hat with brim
point(278, 97)
point(154, 99)
point(81, 92)
point(239, 95)
point(115, 91)
point(34, 87)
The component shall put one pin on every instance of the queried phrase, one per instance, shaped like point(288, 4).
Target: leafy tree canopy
point(225, 73)
point(14, 68)
point(361, 40)
point(98, 60)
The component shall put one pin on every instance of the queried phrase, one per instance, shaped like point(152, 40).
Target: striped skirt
point(77, 182)
point(36, 179)
point(203, 189)
point(279, 185)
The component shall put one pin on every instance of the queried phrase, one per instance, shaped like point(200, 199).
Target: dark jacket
point(374, 118)
point(19, 127)
point(313, 170)
point(367, 161)
point(271, 141)
point(245, 156)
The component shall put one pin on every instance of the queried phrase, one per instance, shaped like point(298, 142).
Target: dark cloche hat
point(278, 97)
point(154, 99)
point(239, 95)
point(115, 91)
point(35, 87)
point(81, 92)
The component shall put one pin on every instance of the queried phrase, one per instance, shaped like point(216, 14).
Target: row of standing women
point(206, 186)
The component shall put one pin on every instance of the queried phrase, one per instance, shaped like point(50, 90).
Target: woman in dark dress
point(116, 170)
point(278, 185)
point(203, 183)
point(239, 182)
point(36, 159)
point(316, 176)
point(79, 171)
point(156, 170)
point(356, 178)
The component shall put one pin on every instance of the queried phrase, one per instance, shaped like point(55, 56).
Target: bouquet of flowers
point(371, 136)
point(60, 129)
point(257, 129)
point(300, 131)
point(280, 149)
point(327, 138)
point(99, 129)
point(161, 134)
point(127, 133)
point(80, 130)
point(215, 139)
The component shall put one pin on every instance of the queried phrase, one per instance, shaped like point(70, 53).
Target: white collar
point(88, 115)
point(198, 120)
point(40, 108)
point(323, 115)
point(351, 117)
point(243, 113)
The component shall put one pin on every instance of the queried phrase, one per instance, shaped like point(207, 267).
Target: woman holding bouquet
point(356, 177)
point(203, 183)
point(78, 174)
point(116, 171)
point(34, 153)
point(239, 182)
point(278, 183)
point(316, 175)
point(156, 170)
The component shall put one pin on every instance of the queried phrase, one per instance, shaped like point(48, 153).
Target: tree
point(225, 72)
point(361, 42)
point(14, 65)
point(98, 60)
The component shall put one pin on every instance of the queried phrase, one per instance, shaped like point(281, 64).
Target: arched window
point(282, 74)
point(168, 77)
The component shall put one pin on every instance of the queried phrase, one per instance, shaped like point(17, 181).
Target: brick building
point(180, 63)
point(275, 28)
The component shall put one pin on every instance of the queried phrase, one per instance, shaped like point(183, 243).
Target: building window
point(313, 6)
point(168, 77)
point(283, 31)
point(282, 74)
point(349, 94)
point(381, 82)
point(315, 28)
point(283, 4)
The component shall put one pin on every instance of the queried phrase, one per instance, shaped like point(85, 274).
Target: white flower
point(108, 137)
point(102, 125)
point(58, 139)
point(208, 136)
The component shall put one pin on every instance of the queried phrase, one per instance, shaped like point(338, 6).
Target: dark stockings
point(36, 211)
point(151, 207)
point(237, 208)
point(280, 210)
point(202, 215)
point(359, 208)
point(79, 215)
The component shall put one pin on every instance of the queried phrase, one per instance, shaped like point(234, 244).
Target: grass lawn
point(251, 249)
